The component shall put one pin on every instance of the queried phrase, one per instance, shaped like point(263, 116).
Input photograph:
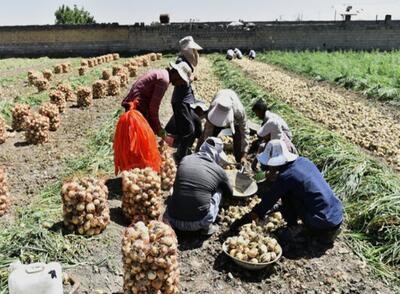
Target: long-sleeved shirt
point(276, 122)
point(303, 184)
point(240, 119)
point(197, 179)
point(149, 90)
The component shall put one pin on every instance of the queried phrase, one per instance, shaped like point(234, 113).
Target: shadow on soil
point(114, 188)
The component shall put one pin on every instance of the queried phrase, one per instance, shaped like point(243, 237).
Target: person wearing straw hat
point(149, 89)
point(226, 111)
point(200, 184)
point(304, 193)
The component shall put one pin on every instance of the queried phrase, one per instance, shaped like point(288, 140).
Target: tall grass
point(375, 74)
point(369, 189)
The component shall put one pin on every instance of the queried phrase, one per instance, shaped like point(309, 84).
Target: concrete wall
point(69, 40)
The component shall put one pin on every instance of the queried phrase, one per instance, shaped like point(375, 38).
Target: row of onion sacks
point(85, 206)
point(150, 259)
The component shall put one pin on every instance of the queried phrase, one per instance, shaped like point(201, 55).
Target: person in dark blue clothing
point(303, 191)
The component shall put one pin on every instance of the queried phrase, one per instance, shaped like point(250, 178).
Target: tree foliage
point(67, 15)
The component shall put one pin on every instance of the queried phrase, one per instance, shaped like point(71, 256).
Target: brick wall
point(68, 40)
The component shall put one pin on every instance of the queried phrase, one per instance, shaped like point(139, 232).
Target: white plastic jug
point(35, 278)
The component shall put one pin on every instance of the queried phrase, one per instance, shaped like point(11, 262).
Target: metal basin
point(243, 185)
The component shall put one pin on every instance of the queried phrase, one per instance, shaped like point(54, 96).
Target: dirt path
point(369, 125)
point(30, 168)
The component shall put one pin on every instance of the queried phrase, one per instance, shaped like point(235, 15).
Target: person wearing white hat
point(227, 111)
point(189, 51)
point(304, 192)
point(230, 54)
point(200, 184)
point(149, 89)
point(252, 54)
point(238, 53)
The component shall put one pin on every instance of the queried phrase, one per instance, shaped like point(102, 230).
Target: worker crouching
point(199, 186)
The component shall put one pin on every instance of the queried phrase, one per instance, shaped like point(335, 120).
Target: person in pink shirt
point(149, 89)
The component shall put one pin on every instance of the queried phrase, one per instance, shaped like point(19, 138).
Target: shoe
point(210, 230)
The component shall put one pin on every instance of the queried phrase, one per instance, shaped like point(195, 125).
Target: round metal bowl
point(243, 185)
point(249, 265)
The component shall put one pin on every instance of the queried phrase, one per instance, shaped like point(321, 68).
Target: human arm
point(208, 132)
point(241, 138)
point(270, 192)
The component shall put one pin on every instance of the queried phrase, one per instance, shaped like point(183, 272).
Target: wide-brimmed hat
point(183, 70)
point(199, 103)
point(188, 43)
point(276, 154)
point(221, 114)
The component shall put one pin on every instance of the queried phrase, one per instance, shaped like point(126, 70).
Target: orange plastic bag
point(135, 144)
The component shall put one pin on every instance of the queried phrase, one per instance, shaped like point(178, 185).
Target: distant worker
point(252, 54)
point(238, 53)
point(230, 54)
point(226, 111)
point(200, 184)
point(304, 193)
point(149, 89)
point(182, 98)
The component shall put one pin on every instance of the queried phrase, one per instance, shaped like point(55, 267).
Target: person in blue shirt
point(303, 191)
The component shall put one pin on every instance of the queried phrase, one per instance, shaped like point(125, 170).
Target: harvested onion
point(4, 197)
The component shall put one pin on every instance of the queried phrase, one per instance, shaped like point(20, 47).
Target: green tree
point(66, 15)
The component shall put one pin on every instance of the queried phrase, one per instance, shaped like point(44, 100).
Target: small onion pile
point(159, 56)
point(47, 74)
point(58, 98)
point(150, 259)
point(141, 194)
point(3, 131)
point(41, 84)
point(4, 197)
point(153, 57)
point(132, 71)
point(229, 215)
point(252, 247)
point(145, 62)
point(84, 96)
point(85, 206)
point(33, 76)
point(53, 113)
point(106, 74)
point(82, 70)
point(20, 116)
point(99, 89)
point(66, 67)
point(84, 62)
point(168, 167)
point(114, 86)
point(91, 63)
point(115, 56)
point(37, 129)
point(57, 69)
point(117, 69)
point(123, 77)
point(67, 90)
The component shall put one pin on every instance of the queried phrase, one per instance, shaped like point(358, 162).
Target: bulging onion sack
point(37, 129)
point(52, 112)
point(20, 116)
point(168, 167)
point(84, 96)
point(150, 259)
point(85, 206)
point(135, 145)
point(4, 198)
point(67, 90)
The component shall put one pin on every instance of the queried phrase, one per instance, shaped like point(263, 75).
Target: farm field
point(374, 74)
point(33, 229)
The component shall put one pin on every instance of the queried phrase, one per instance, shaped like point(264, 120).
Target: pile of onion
point(123, 77)
point(20, 116)
point(82, 70)
point(37, 129)
point(168, 167)
point(99, 89)
point(150, 259)
point(84, 96)
point(114, 86)
point(159, 56)
point(41, 84)
point(106, 74)
point(132, 70)
point(115, 56)
point(33, 76)
point(66, 67)
point(234, 212)
point(4, 197)
point(58, 69)
point(47, 74)
point(67, 90)
point(53, 113)
point(141, 194)
point(57, 98)
point(85, 206)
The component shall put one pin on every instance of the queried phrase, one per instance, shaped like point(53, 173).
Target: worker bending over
point(149, 89)
point(226, 111)
point(200, 184)
point(304, 193)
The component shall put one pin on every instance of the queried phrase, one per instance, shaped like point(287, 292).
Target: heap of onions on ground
point(4, 197)
point(41, 84)
point(150, 259)
point(141, 194)
point(168, 167)
point(228, 215)
point(114, 86)
point(33, 76)
point(99, 89)
point(20, 115)
point(67, 90)
point(57, 97)
point(84, 96)
point(52, 112)
point(47, 74)
point(37, 129)
point(85, 206)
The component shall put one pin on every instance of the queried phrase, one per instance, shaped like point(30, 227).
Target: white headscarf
point(216, 153)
